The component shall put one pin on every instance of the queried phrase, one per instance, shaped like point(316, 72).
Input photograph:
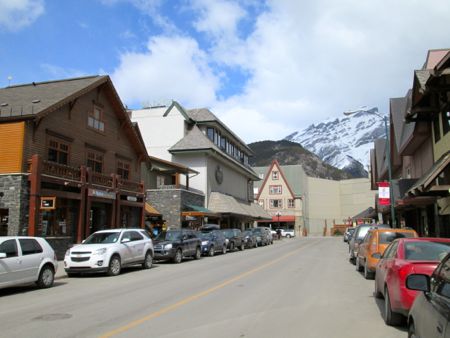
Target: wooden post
point(88, 204)
point(35, 194)
point(82, 209)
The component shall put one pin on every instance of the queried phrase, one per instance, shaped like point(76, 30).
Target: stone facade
point(170, 203)
point(15, 199)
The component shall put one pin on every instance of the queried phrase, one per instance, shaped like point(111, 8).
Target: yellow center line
point(196, 296)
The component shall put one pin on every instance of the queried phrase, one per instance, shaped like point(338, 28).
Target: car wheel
point(114, 266)
point(367, 274)
point(357, 265)
point(148, 261)
point(224, 249)
point(378, 294)
point(390, 317)
point(198, 253)
point(46, 277)
point(211, 251)
point(231, 246)
point(412, 331)
point(178, 257)
point(288, 236)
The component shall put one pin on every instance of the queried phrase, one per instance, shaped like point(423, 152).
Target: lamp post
point(388, 155)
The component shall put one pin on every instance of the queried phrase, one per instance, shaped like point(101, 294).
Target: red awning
point(276, 219)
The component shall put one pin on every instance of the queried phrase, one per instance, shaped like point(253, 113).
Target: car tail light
point(404, 271)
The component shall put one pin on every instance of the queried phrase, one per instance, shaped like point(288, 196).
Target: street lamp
point(388, 154)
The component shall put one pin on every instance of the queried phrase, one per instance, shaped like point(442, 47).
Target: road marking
point(190, 299)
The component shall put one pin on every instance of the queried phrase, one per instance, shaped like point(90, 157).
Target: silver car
point(25, 260)
point(110, 250)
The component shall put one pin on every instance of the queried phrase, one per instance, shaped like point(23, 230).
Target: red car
point(403, 257)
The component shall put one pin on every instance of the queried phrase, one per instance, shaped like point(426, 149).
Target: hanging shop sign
point(48, 203)
point(102, 193)
point(384, 193)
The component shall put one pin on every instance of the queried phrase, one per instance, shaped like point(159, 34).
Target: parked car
point(373, 246)
point(263, 235)
point(430, 313)
point(250, 239)
point(288, 233)
point(405, 256)
point(212, 242)
point(176, 244)
point(25, 260)
point(358, 237)
point(235, 239)
point(109, 251)
point(348, 233)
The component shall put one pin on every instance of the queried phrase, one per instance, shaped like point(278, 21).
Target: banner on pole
point(384, 197)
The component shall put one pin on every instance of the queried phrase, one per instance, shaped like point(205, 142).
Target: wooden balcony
point(61, 171)
point(130, 185)
point(102, 180)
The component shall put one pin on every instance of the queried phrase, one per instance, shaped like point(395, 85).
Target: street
point(301, 287)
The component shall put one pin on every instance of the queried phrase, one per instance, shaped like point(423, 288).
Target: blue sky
point(266, 68)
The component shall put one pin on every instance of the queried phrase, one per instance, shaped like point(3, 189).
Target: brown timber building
point(70, 161)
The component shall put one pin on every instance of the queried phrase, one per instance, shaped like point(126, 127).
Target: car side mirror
point(2, 255)
point(418, 282)
point(125, 240)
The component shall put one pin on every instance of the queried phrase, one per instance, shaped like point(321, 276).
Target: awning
point(226, 204)
point(367, 213)
point(276, 219)
point(423, 185)
point(150, 210)
point(197, 211)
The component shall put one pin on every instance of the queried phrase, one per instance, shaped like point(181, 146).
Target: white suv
point(110, 250)
point(26, 260)
point(288, 233)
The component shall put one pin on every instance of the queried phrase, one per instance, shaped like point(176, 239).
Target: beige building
point(319, 203)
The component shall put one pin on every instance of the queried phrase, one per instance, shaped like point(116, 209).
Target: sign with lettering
point(102, 193)
point(48, 203)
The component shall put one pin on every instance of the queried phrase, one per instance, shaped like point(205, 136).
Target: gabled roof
point(196, 140)
point(38, 99)
point(266, 177)
point(434, 57)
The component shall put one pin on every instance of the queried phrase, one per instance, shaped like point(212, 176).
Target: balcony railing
point(103, 180)
point(60, 170)
point(130, 185)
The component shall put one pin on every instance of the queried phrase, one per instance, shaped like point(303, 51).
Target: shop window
point(291, 203)
point(275, 189)
point(445, 117)
point(275, 175)
point(58, 152)
point(123, 169)
point(95, 119)
point(276, 204)
point(95, 161)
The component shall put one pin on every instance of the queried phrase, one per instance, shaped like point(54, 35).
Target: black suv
point(176, 244)
point(212, 241)
point(235, 239)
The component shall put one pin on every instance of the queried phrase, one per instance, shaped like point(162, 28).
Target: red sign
point(384, 197)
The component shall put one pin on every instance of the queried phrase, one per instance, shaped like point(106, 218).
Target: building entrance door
point(4, 215)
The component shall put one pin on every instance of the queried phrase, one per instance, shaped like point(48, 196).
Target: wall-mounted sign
point(384, 193)
point(132, 198)
point(102, 193)
point(48, 203)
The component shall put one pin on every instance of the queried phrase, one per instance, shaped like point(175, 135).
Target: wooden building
point(70, 160)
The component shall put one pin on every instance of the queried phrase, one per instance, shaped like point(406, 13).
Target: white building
point(197, 139)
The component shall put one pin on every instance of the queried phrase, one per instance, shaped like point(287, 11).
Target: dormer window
point(95, 119)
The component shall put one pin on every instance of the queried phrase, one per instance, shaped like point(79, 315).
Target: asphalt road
point(303, 287)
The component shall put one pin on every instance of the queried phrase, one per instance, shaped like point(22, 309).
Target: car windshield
point(426, 251)
point(388, 237)
point(205, 235)
point(102, 237)
point(247, 232)
point(169, 236)
point(257, 230)
point(228, 233)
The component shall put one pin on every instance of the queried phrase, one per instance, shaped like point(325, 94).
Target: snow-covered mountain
point(344, 142)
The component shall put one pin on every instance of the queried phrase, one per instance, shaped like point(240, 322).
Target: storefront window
point(59, 222)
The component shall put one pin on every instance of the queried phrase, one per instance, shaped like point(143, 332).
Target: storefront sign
point(384, 193)
point(102, 193)
point(132, 198)
point(48, 203)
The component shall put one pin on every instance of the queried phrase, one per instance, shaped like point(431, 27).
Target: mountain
point(287, 152)
point(345, 142)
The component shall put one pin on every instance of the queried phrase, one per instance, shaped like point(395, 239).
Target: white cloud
point(17, 14)
point(172, 68)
